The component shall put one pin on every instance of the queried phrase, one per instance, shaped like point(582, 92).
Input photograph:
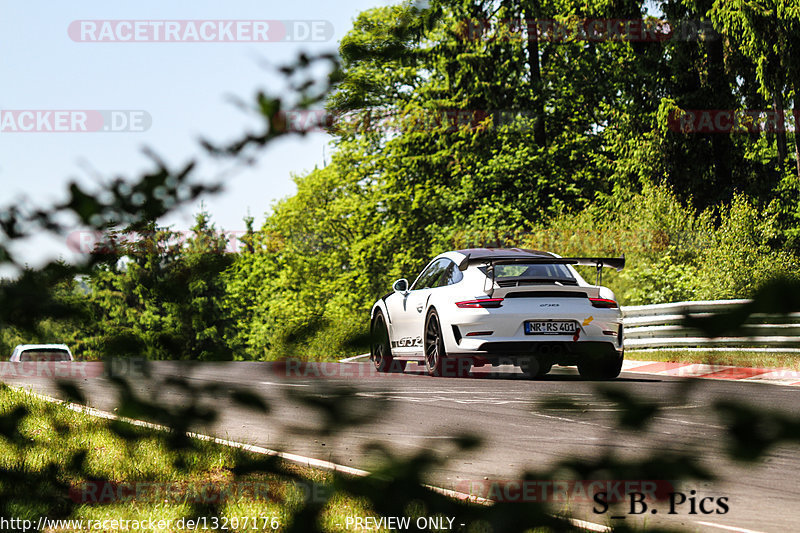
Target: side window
point(450, 276)
point(430, 276)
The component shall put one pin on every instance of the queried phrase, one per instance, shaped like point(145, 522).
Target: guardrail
point(659, 326)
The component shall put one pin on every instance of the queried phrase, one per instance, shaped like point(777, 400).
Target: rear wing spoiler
point(617, 263)
point(599, 263)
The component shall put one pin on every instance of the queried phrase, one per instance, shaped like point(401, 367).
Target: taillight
point(603, 303)
point(481, 303)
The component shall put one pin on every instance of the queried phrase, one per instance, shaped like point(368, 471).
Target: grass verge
point(63, 464)
point(760, 359)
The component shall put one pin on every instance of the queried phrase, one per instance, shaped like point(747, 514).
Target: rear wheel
point(607, 367)
point(382, 349)
point(533, 368)
point(434, 345)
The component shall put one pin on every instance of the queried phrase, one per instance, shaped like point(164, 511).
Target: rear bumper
point(555, 352)
point(544, 347)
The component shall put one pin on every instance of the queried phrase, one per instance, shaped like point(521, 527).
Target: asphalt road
point(412, 412)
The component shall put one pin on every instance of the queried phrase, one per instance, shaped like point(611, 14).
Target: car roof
point(41, 347)
point(504, 253)
point(481, 254)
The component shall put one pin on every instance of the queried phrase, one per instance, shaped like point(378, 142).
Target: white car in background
point(41, 353)
point(498, 306)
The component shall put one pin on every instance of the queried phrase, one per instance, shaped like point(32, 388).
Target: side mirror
point(401, 285)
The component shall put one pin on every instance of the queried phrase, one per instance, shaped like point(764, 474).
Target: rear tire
point(601, 368)
point(534, 368)
point(529, 367)
point(433, 344)
point(381, 348)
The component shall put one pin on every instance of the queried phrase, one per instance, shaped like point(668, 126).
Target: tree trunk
point(780, 134)
point(531, 13)
point(796, 113)
point(721, 99)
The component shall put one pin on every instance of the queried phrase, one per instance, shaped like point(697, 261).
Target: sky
point(185, 89)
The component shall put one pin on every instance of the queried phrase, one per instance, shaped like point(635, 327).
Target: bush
point(741, 257)
point(672, 252)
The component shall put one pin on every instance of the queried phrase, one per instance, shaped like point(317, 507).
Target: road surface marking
point(691, 423)
point(729, 528)
point(285, 384)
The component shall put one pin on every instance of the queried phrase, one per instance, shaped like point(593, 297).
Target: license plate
point(549, 327)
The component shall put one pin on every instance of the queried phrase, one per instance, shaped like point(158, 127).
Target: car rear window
point(532, 271)
point(44, 355)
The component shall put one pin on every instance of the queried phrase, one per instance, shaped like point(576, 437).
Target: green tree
point(768, 33)
point(160, 296)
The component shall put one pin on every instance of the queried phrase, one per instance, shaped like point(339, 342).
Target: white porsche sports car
point(498, 306)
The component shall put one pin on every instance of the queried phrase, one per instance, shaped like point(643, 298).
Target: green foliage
point(162, 298)
point(674, 253)
point(767, 34)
